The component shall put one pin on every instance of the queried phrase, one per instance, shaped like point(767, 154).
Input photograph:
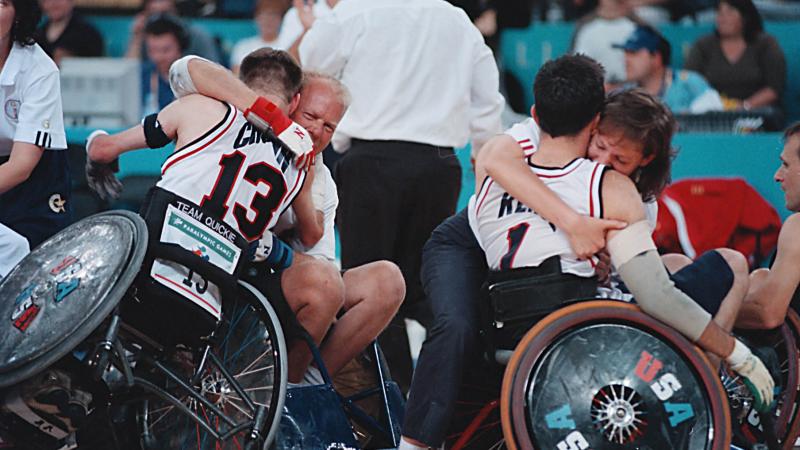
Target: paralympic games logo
point(12, 109)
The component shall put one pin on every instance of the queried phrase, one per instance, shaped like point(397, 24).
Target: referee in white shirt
point(423, 82)
point(34, 175)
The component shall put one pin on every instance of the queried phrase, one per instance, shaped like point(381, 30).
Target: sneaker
point(312, 377)
point(52, 393)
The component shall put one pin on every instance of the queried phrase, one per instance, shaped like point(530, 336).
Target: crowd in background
point(738, 67)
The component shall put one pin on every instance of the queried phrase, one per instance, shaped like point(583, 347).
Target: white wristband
point(739, 354)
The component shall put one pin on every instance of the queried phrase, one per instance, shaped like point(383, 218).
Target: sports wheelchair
point(71, 327)
point(601, 374)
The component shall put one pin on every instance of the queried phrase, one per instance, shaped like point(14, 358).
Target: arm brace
point(180, 81)
point(648, 281)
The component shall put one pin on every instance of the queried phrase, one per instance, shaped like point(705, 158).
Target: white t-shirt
point(30, 92)
point(326, 200)
point(595, 39)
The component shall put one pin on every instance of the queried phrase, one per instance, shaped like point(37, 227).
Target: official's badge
point(57, 203)
point(12, 109)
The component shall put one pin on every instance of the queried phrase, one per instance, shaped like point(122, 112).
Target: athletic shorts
point(40, 206)
point(707, 280)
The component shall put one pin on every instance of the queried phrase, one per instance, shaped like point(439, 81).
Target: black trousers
point(392, 195)
point(453, 271)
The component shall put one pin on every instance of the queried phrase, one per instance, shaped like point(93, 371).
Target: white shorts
point(13, 247)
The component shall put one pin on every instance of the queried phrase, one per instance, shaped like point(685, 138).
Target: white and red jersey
point(526, 133)
point(512, 235)
point(235, 173)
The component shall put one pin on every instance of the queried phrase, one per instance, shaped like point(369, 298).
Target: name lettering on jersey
point(214, 224)
point(249, 135)
point(510, 205)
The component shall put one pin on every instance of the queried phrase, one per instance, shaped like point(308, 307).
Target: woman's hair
point(26, 17)
point(642, 118)
point(752, 24)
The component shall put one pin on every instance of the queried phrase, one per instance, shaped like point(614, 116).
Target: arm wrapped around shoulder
point(635, 257)
point(180, 81)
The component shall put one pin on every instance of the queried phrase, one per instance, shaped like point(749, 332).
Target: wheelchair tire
point(590, 375)
point(793, 432)
point(252, 349)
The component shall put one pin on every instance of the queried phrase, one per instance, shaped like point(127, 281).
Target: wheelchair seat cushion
point(64, 289)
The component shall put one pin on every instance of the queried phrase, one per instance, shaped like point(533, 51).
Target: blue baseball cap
point(642, 37)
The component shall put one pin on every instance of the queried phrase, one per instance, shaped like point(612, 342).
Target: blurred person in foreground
point(34, 173)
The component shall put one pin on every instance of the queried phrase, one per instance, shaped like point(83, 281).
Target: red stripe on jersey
point(591, 190)
point(523, 141)
point(215, 138)
point(216, 311)
point(527, 147)
point(485, 194)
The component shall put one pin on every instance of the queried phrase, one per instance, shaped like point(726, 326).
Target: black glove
point(100, 176)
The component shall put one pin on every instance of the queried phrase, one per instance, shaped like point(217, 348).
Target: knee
point(390, 284)
point(675, 261)
point(736, 261)
point(318, 285)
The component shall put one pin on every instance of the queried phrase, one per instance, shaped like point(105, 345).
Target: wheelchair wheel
point(778, 349)
point(243, 376)
point(793, 432)
point(603, 375)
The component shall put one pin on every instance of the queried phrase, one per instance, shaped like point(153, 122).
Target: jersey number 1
point(263, 205)
point(514, 237)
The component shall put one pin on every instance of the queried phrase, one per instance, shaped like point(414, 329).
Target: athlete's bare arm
point(185, 119)
point(310, 224)
point(215, 81)
point(502, 159)
point(23, 159)
point(771, 290)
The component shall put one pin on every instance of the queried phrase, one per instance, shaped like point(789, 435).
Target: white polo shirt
point(326, 199)
point(418, 71)
point(30, 95)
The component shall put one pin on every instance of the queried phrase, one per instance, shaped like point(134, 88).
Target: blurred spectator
point(596, 32)
point(745, 64)
point(165, 42)
point(647, 59)
point(268, 16)
point(65, 33)
point(200, 42)
point(299, 19)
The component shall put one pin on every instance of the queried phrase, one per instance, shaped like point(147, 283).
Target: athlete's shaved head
point(271, 71)
point(569, 94)
point(793, 130)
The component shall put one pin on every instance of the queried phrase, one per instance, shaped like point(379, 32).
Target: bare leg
point(675, 261)
point(373, 294)
point(315, 292)
point(729, 309)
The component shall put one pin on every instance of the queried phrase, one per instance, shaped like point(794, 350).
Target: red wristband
point(270, 113)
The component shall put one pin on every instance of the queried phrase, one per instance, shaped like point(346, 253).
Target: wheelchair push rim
point(245, 369)
point(565, 386)
point(793, 322)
